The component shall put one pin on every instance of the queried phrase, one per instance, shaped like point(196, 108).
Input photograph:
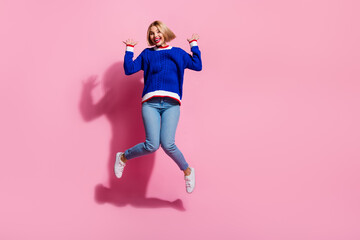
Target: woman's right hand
point(130, 41)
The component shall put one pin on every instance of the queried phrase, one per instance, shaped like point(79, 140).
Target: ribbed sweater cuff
point(193, 43)
point(130, 48)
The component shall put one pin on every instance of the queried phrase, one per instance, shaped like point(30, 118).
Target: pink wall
point(271, 123)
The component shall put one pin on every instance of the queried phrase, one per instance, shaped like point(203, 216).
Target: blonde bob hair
point(167, 33)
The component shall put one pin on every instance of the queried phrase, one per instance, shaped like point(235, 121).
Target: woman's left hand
point(195, 36)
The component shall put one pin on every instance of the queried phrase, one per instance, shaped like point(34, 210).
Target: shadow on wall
point(121, 105)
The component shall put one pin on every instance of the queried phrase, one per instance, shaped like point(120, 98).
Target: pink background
point(271, 124)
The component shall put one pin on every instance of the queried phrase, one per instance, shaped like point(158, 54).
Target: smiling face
point(156, 37)
point(159, 34)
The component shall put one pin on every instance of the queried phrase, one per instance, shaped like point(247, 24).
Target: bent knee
point(151, 146)
point(168, 146)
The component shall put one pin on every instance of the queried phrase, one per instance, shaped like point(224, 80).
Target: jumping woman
point(163, 67)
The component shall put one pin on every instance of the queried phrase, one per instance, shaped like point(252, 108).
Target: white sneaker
point(190, 181)
point(119, 165)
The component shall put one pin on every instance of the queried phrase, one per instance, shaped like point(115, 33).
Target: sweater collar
point(162, 48)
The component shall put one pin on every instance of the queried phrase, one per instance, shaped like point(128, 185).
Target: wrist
point(130, 47)
point(193, 43)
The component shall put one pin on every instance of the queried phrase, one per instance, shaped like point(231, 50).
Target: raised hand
point(195, 36)
point(130, 41)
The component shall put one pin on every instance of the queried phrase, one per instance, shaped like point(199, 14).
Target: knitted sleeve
point(131, 66)
point(194, 62)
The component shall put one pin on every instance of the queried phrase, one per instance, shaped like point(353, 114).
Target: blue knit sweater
point(163, 69)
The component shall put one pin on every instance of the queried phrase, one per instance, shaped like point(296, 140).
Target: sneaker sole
point(117, 163)
point(193, 171)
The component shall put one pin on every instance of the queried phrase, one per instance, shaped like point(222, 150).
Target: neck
point(162, 45)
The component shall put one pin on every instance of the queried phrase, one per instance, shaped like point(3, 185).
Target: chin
point(158, 44)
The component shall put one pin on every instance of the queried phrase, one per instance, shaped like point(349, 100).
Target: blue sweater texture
point(163, 69)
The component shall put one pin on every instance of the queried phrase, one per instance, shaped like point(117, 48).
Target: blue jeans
point(160, 116)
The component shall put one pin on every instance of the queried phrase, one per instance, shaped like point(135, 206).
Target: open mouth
point(157, 39)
